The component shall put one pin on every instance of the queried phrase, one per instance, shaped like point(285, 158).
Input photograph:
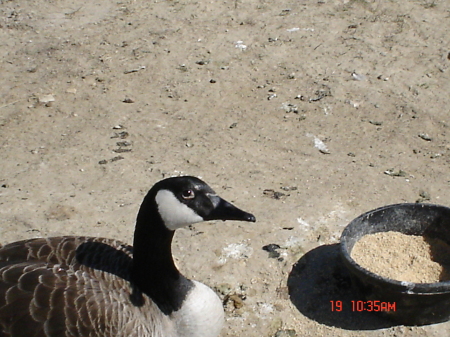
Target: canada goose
point(85, 286)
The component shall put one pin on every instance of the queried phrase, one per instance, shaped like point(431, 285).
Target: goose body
point(84, 286)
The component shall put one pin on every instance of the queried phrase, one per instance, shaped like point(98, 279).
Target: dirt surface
point(402, 257)
point(305, 113)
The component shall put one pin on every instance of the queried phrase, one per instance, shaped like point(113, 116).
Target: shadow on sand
point(320, 277)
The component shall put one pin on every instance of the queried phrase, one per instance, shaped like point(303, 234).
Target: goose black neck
point(153, 269)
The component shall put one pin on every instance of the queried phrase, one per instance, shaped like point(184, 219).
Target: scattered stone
point(123, 147)
point(289, 107)
point(286, 333)
point(134, 70)
point(121, 135)
point(321, 93)
point(121, 150)
point(273, 194)
point(272, 250)
point(289, 188)
point(128, 100)
point(202, 62)
point(232, 297)
point(117, 158)
point(224, 289)
point(425, 136)
point(240, 45)
point(47, 100)
point(378, 123)
point(125, 143)
point(104, 161)
point(358, 77)
point(321, 146)
point(355, 104)
point(237, 300)
point(285, 12)
point(394, 173)
point(423, 196)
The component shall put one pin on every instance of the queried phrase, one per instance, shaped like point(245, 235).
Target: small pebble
point(272, 250)
point(224, 288)
point(47, 100)
point(124, 143)
point(358, 77)
point(117, 158)
point(286, 333)
point(121, 135)
point(321, 146)
point(393, 173)
point(289, 188)
point(237, 300)
point(273, 194)
point(425, 136)
point(423, 196)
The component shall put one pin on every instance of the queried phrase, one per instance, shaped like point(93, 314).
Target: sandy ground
point(305, 113)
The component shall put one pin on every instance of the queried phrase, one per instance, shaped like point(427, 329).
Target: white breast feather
point(201, 314)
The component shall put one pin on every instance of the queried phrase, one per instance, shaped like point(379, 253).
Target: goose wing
point(62, 286)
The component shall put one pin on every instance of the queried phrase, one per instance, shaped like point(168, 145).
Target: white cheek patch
point(174, 213)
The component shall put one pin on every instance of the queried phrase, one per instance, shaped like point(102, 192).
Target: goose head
point(182, 201)
point(170, 204)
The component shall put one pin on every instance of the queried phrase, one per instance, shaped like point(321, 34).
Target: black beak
point(223, 210)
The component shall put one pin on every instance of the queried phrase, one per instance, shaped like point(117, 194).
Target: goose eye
point(188, 194)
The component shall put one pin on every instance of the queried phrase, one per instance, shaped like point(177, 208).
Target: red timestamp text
point(365, 306)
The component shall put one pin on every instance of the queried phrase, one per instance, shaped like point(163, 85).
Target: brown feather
point(64, 286)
